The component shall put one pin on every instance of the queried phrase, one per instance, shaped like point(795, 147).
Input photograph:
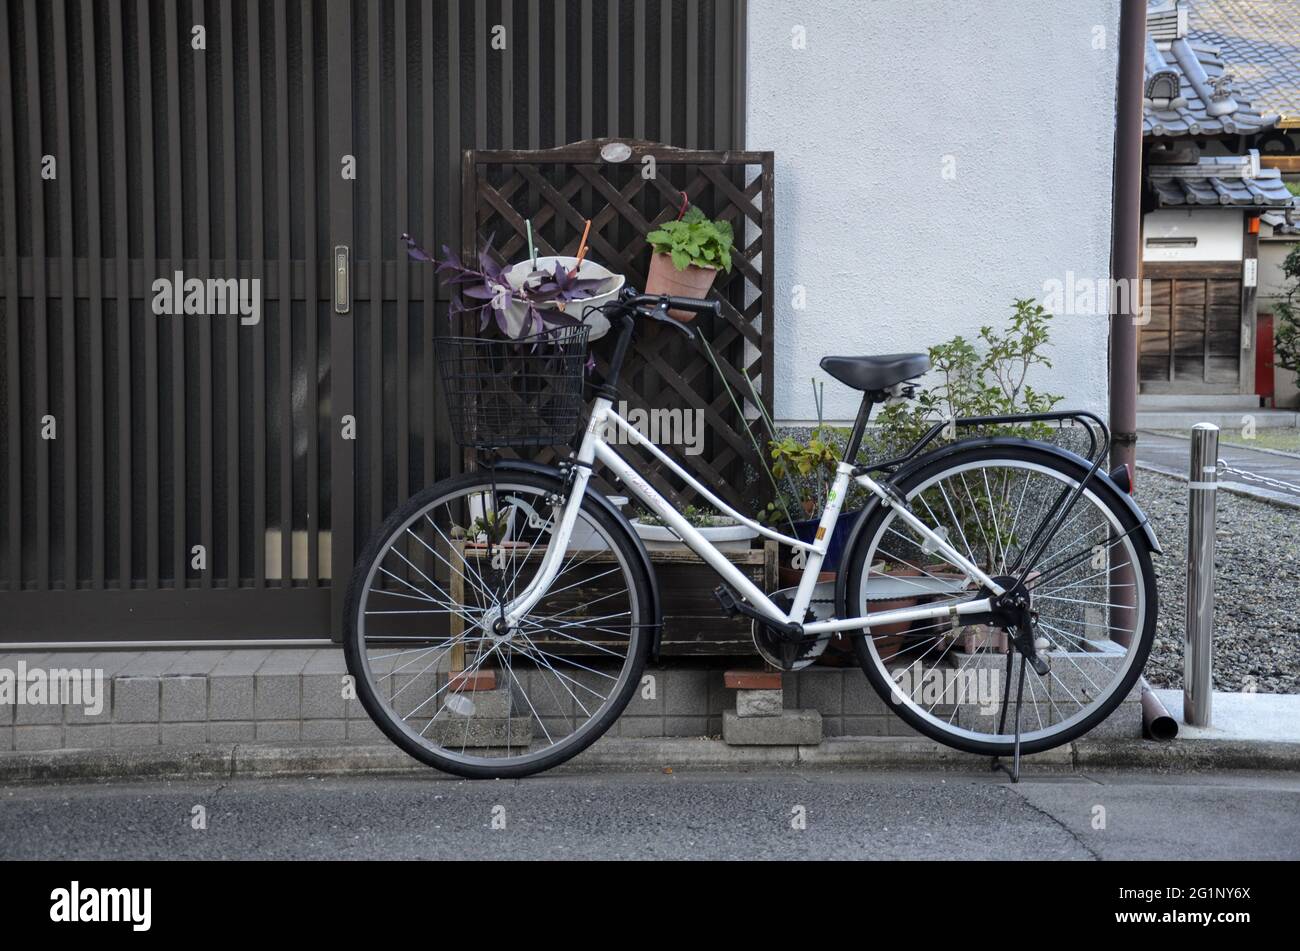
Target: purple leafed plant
point(484, 290)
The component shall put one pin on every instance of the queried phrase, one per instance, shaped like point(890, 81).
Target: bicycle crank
point(779, 648)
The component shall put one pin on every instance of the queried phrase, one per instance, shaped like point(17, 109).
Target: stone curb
point(1186, 756)
point(225, 762)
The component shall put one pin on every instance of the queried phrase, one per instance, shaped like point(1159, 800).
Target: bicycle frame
point(594, 448)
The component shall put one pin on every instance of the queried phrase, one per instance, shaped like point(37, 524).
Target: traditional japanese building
point(1214, 188)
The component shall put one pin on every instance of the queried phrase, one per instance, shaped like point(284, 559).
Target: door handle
point(342, 273)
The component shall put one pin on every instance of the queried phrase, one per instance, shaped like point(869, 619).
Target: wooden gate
point(175, 477)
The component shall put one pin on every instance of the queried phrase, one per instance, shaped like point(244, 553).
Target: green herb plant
point(694, 239)
point(1286, 349)
point(696, 517)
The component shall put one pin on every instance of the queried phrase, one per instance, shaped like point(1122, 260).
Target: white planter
point(516, 312)
point(585, 537)
point(734, 537)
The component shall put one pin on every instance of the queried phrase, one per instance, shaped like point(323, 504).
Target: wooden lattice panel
point(559, 189)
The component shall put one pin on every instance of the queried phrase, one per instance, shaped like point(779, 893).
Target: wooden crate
point(694, 625)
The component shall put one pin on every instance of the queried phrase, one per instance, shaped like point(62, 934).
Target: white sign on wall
point(1250, 273)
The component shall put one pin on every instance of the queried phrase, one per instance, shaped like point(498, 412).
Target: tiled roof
point(1260, 40)
point(1188, 90)
point(1180, 189)
point(1284, 223)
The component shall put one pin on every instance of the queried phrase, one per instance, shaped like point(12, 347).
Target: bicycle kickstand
point(1014, 771)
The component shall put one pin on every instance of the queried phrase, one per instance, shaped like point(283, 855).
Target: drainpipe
point(1125, 264)
point(1126, 221)
point(1126, 227)
point(1157, 722)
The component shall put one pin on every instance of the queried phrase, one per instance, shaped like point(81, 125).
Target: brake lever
point(660, 313)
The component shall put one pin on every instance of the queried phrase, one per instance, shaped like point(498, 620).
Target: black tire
point(1026, 452)
point(641, 631)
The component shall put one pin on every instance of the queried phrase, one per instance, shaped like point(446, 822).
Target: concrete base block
point(1125, 722)
point(482, 732)
point(789, 728)
point(494, 704)
point(759, 703)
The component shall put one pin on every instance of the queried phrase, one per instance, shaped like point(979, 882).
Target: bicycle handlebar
point(693, 305)
point(656, 306)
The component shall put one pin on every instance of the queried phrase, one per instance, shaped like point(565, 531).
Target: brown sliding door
point(1192, 343)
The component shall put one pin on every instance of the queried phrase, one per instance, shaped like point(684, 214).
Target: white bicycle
point(499, 621)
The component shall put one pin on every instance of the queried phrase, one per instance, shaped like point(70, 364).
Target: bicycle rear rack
point(1091, 423)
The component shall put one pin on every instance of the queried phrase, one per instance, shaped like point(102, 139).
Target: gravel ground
point(1257, 567)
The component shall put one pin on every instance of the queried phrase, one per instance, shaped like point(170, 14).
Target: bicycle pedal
point(727, 599)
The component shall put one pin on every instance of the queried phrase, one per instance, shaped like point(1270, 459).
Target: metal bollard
point(1198, 648)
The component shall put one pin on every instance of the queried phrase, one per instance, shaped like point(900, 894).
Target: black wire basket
point(514, 393)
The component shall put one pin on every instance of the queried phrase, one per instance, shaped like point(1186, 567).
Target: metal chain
point(1262, 480)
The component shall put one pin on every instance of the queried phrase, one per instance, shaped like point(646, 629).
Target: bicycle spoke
point(468, 688)
point(1081, 591)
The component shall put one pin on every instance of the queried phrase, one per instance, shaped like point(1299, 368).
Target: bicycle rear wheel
point(1092, 591)
point(442, 681)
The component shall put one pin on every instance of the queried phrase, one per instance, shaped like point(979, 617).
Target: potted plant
point(808, 468)
point(890, 588)
point(686, 256)
point(974, 382)
point(530, 297)
point(811, 462)
point(724, 532)
point(490, 528)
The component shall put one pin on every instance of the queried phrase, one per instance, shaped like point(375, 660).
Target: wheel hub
point(1014, 605)
point(1013, 611)
point(497, 630)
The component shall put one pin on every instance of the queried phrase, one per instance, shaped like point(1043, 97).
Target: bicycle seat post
point(869, 401)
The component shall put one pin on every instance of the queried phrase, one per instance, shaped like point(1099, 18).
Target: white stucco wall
point(893, 256)
point(1218, 233)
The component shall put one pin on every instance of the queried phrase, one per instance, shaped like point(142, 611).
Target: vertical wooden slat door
point(431, 79)
point(1192, 340)
point(180, 477)
point(166, 474)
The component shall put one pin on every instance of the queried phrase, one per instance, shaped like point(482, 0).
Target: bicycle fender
point(1101, 477)
point(656, 611)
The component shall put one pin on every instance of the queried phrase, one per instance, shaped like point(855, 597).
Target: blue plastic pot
point(807, 530)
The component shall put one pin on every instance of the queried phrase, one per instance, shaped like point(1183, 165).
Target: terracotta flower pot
point(664, 278)
point(789, 576)
point(888, 638)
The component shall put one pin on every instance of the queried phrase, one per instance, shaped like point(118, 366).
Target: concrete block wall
point(691, 702)
point(291, 696)
point(193, 697)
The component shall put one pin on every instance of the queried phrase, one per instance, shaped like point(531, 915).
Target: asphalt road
point(1169, 454)
point(848, 814)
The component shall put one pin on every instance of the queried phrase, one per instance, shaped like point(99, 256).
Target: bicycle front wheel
point(1092, 595)
point(459, 691)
